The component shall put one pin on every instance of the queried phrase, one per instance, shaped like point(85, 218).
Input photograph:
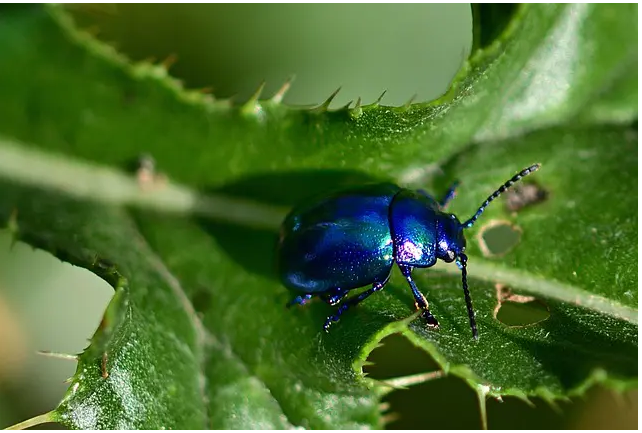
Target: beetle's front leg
point(420, 300)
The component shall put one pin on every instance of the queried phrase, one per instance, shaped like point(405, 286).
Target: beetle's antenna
point(461, 262)
point(499, 192)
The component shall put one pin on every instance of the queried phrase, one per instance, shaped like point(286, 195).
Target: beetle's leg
point(352, 302)
point(300, 300)
point(449, 195)
point(425, 193)
point(420, 300)
point(333, 297)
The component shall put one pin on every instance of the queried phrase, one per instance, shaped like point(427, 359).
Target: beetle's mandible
point(352, 239)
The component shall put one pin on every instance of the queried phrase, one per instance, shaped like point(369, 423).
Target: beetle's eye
point(451, 255)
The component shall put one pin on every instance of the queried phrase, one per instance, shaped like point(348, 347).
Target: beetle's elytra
point(352, 239)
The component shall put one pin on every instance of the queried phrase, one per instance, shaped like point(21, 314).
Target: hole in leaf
point(383, 362)
point(518, 314)
point(398, 357)
point(498, 237)
point(523, 195)
point(447, 403)
point(518, 310)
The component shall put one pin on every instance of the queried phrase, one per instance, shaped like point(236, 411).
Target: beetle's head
point(451, 242)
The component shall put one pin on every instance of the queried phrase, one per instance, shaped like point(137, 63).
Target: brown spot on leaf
point(523, 195)
point(103, 366)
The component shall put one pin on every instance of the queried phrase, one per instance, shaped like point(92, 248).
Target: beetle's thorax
point(450, 237)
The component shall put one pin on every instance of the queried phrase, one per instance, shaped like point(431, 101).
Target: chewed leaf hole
point(517, 310)
point(416, 379)
point(518, 314)
point(498, 237)
point(383, 362)
point(524, 194)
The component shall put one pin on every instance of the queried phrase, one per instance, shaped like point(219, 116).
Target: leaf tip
point(207, 90)
point(326, 104)
point(277, 98)
point(390, 417)
point(384, 406)
point(169, 61)
point(252, 106)
point(551, 399)
point(407, 105)
point(379, 99)
point(414, 379)
point(57, 355)
point(356, 111)
point(35, 421)
point(346, 107)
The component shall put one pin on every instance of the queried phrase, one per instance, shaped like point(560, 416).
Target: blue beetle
point(352, 239)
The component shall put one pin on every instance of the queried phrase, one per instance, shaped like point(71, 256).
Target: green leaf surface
point(197, 334)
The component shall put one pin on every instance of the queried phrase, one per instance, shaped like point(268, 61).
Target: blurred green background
point(366, 49)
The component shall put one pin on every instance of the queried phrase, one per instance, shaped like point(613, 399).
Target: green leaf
point(197, 334)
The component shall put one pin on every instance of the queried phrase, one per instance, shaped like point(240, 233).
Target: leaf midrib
point(205, 339)
point(33, 167)
point(202, 335)
point(547, 287)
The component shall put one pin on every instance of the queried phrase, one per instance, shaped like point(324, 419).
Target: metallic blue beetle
point(351, 239)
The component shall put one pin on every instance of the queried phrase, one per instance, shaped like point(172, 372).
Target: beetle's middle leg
point(420, 300)
point(351, 303)
point(333, 297)
point(300, 300)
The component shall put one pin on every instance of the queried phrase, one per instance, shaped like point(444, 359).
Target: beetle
point(352, 238)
